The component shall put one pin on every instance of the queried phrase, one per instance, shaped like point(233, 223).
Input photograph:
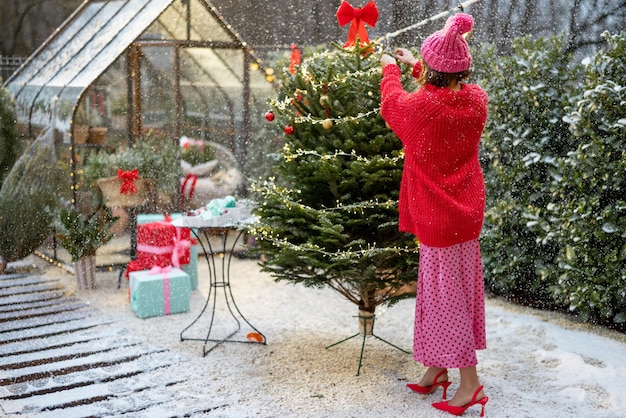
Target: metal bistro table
point(236, 220)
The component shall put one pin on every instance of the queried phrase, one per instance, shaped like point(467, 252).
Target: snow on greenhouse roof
point(96, 35)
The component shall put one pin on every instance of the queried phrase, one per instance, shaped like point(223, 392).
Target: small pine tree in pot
point(81, 235)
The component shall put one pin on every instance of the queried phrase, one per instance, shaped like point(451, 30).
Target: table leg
point(228, 297)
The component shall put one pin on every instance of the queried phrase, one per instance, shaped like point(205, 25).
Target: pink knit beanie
point(446, 50)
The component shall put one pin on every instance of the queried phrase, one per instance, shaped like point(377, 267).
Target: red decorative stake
point(295, 59)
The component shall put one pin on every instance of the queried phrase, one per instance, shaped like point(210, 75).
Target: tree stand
point(366, 329)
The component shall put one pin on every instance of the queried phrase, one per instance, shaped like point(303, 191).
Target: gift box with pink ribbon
point(144, 261)
point(159, 291)
point(162, 244)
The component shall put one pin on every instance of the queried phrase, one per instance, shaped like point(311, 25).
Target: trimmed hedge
point(587, 215)
point(554, 162)
point(524, 139)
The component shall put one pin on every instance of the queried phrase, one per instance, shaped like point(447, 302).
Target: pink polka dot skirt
point(450, 306)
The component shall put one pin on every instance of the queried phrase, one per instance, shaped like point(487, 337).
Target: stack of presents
point(165, 270)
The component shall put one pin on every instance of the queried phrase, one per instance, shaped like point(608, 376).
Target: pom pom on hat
point(446, 50)
point(462, 22)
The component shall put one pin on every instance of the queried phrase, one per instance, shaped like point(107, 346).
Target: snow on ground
point(537, 364)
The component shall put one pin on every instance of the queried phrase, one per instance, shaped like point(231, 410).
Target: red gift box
point(161, 244)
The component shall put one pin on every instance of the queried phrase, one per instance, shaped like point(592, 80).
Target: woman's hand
point(386, 59)
point(405, 56)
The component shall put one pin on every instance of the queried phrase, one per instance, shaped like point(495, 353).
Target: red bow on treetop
point(128, 180)
point(359, 17)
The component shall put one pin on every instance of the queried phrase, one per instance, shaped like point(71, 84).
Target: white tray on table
point(231, 218)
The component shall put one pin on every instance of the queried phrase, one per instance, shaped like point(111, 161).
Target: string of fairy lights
point(53, 261)
point(267, 233)
point(270, 186)
point(290, 155)
point(337, 80)
point(370, 251)
point(288, 197)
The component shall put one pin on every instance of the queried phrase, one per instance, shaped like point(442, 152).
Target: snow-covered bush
point(588, 212)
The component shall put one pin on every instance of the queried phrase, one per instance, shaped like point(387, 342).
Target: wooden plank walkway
point(60, 357)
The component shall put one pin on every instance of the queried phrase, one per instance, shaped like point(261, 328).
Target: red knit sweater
point(442, 193)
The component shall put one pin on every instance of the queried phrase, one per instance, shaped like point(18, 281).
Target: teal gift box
point(192, 268)
point(159, 291)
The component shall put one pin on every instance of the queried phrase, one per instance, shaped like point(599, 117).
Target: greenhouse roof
point(97, 33)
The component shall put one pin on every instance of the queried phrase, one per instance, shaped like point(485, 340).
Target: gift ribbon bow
point(180, 245)
point(160, 270)
point(128, 180)
point(190, 179)
point(167, 303)
point(359, 17)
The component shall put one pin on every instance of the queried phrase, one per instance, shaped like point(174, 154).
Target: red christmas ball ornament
point(288, 129)
point(269, 116)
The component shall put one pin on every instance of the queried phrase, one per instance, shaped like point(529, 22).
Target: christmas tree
point(330, 217)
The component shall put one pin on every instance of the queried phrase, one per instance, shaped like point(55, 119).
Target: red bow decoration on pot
point(359, 17)
point(128, 180)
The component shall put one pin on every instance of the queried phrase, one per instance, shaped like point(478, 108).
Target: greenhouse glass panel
point(171, 25)
point(209, 108)
point(68, 38)
point(105, 50)
point(157, 88)
point(74, 58)
point(205, 27)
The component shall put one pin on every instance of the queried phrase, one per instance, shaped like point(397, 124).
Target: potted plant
point(97, 131)
point(132, 176)
point(81, 235)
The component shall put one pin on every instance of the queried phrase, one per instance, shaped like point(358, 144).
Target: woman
point(442, 202)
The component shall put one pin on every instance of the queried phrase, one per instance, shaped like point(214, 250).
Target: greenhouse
point(119, 71)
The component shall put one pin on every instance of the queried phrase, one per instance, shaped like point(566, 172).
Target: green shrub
point(524, 139)
point(588, 214)
point(81, 235)
point(9, 142)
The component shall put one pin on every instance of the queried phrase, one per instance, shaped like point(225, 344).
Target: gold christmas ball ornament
point(324, 100)
point(327, 124)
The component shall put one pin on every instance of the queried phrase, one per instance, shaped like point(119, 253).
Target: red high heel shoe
point(425, 390)
point(458, 410)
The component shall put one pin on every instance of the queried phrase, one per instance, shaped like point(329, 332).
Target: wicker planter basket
point(366, 322)
point(110, 188)
point(96, 135)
